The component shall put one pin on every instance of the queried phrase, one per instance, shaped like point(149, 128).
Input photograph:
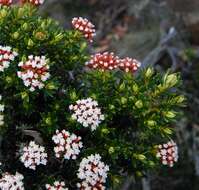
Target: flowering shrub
point(86, 122)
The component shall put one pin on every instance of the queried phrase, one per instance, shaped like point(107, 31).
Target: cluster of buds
point(92, 172)
point(87, 113)
point(1, 112)
point(11, 182)
point(103, 61)
point(5, 2)
point(6, 56)
point(168, 153)
point(108, 61)
point(56, 186)
point(129, 64)
point(68, 145)
point(34, 2)
point(33, 155)
point(34, 72)
point(85, 27)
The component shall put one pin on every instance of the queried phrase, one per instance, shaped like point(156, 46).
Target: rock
point(188, 10)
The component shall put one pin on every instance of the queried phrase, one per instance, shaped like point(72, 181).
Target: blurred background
point(161, 33)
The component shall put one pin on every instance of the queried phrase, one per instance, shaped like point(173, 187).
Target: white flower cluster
point(56, 186)
point(68, 145)
point(34, 72)
point(33, 155)
point(92, 172)
point(6, 56)
point(85, 27)
point(1, 112)
point(168, 153)
point(11, 182)
point(87, 112)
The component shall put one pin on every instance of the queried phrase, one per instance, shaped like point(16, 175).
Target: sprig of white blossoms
point(6, 56)
point(93, 173)
point(12, 182)
point(1, 112)
point(33, 155)
point(87, 113)
point(56, 186)
point(34, 72)
point(68, 145)
point(168, 153)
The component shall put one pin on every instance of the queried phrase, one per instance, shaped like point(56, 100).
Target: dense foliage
point(135, 110)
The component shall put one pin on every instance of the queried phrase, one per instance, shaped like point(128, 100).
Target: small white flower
point(33, 155)
point(11, 182)
point(6, 56)
point(67, 145)
point(87, 113)
point(34, 72)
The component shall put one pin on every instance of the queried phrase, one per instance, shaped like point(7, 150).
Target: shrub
point(67, 124)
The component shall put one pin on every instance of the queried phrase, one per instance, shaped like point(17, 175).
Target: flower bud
point(151, 163)
point(139, 104)
point(111, 107)
point(30, 43)
point(24, 95)
point(111, 150)
point(123, 100)
point(25, 26)
point(149, 72)
point(151, 123)
point(51, 86)
point(141, 157)
point(168, 131)
point(15, 35)
point(73, 95)
point(48, 121)
point(122, 87)
point(169, 114)
point(135, 88)
point(3, 13)
point(8, 79)
point(105, 131)
point(180, 99)
point(40, 36)
point(20, 12)
point(170, 80)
